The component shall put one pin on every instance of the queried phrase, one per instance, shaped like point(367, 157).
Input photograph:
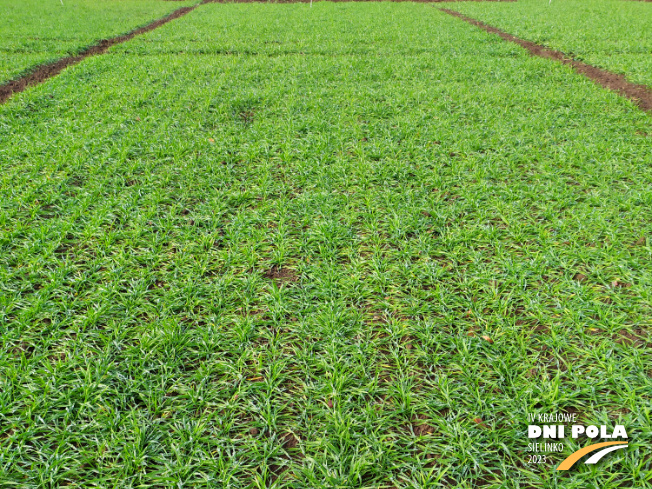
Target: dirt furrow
point(641, 95)
point(41, 73)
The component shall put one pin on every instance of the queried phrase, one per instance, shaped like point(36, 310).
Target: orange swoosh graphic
point(574, 457)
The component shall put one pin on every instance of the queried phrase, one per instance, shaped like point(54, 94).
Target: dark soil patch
point(580, 277)
point(289, 441)
point(282, 275)
point(642, 240)
point(480, 422)
point(420, 427)
point(23, 348)
point(247, 116)
point(540, 329)
point(637, 338)
point(42, 72)
point(641, 95)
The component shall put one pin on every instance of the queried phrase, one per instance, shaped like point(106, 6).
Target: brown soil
point(41, 73)
point(420, 427)
point(289, 441)
point(580, 277)
point(279, 274)
point(641, 95)
point(635, 338)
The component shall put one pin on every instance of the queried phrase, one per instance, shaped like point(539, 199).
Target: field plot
point(612, 34)
point(351, 245)
point(37, 31)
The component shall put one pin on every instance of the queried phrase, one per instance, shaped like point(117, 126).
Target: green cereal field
point(346, 245)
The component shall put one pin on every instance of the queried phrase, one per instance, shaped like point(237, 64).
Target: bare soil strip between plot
point(41, 73)
point(641, 95)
